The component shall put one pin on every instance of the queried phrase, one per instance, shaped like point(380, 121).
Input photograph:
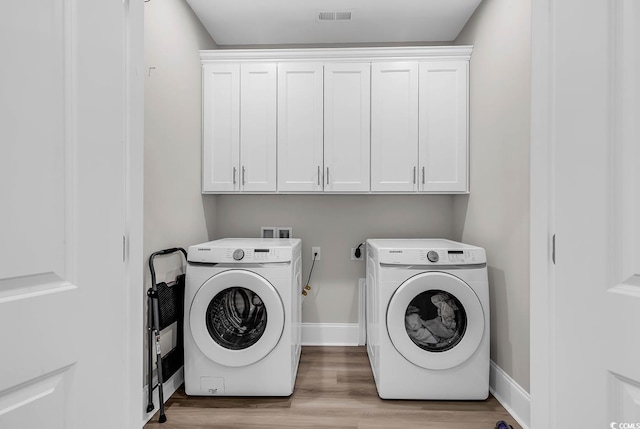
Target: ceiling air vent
point(334, 16)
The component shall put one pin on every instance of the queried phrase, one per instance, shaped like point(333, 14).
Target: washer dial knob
point(238, 254)
point(433, 256)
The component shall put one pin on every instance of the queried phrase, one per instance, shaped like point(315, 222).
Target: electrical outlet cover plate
point(315, 250)
point(353, 254)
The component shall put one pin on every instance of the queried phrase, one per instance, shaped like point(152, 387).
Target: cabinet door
point(394, 126)
point(300, 127)
point(221, 127)
point(347, 118)
point(258, 127)
point(443, 126)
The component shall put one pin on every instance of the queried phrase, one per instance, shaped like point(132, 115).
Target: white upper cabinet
point(419, 127)
point(443, 129)
point(221, 127)
point(300, 127)
point(258, 127)
point(354, 120)
point(347, 100)
point(394, 126)
point(239, 127)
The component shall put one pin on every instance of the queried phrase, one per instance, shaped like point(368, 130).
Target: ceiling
point(275, 22)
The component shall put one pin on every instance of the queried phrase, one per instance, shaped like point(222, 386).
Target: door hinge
point(553, 249)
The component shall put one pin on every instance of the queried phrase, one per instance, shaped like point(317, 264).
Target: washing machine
point(242, 326)
point(427, 313)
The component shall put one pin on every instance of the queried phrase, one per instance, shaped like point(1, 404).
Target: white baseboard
point(339, 334)
point(511, 395)
point(330, 334)
point(169, 388)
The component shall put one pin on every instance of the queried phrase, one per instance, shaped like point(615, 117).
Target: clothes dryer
point(243, 317)
point(428, 319)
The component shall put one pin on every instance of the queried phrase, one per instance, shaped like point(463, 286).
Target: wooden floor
point(334, 389)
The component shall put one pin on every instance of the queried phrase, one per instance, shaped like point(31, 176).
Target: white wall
point(336, 223)
point(175, 213)
point(496, 213)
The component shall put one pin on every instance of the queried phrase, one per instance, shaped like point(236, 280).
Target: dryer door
point(236, 318)
point(435, 320)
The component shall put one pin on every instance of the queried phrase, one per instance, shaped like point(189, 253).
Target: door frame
point(133, 392)
point(542, 281)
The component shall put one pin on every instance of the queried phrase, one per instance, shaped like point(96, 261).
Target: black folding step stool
point(165, 306)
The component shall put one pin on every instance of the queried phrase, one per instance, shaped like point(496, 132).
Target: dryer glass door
point(435, 320)
point(236, 318)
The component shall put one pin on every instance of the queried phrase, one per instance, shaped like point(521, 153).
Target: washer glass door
point(435, 320)
point(236, 318)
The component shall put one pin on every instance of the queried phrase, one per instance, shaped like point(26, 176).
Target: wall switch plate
point(353, 254)
point(315, 250)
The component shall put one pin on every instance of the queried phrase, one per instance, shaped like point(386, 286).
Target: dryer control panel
point(416, 252)
point(431, 257)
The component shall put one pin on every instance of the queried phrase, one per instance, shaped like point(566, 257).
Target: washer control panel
point(244, 255)
point(245, 251)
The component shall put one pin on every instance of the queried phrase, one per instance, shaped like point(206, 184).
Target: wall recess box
point(284, 232)
point(276, 232)
point(268, 232)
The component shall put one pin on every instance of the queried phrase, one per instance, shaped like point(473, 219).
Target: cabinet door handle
point(243, 169)
point(235, 170)
point(327, 175)
point(414, 175)
point(423, 176)
point(318, 175)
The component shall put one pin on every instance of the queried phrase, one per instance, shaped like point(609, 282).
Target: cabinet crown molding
point(461, 52)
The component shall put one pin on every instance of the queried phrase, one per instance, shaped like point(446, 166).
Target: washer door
point(435, 320)
point(236, 318)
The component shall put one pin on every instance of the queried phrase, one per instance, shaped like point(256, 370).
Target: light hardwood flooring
point(334, 389)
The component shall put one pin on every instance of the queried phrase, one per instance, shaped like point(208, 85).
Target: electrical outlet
point(314, 251)
point(353, 254)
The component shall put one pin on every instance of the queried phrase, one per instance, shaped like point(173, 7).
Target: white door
point(585, 367)
point(220, 127)
point(64, 128)
point(300, 127)
point(394, 126)
point(443, 126)
point(258, 127)
point(347, 118)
